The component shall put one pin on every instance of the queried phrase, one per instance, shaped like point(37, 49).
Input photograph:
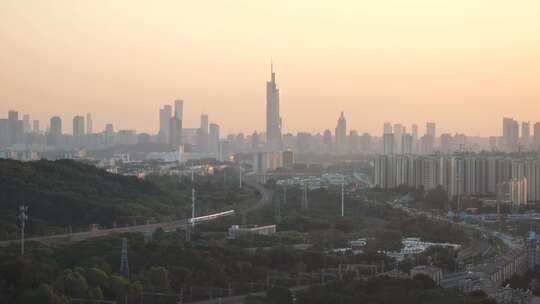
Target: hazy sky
point(461, 63)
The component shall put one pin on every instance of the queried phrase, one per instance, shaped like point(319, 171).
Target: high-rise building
point(387, 128)
point(303, 142)
point(54, 137)
point(78, 126)
point(388, 143)
point(179, 113)
point(446, 143)
point(414, 133)
point(406, 143)
point(179, 109)
point(536, 136)
point(202, 136)
point(213, 141)
point(4, 132)
point(255, 141)
point(78, 130)
point(13, 127)
point(109, 134)
point(273, 119)
point(35, 126)
point(27, 127)
point(174, 135)
point(175, 132)
point(341, 135)
point(353, 142)
point(510, 134)
point(55, 125)
point(165, 115)
point(287, 159)
point(525, 134)
point(365, 142)
point(398, 130)
point(427, 143)
point(327, 141)
point(89, 124)
point(431, 129)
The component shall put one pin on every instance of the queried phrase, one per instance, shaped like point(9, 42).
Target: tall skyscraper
point(398, 131)
point(414, 132)
point(54, 136)
point(406, 143)
point(446, 143)
point(388, 144)
point(536, 136)
point(13, 127)
point(525, 134)
point(273, 120)
point(78, 130)
point(55, 125)
point(327, 141)
point(78, 126)
point(27, 127)
point(109, 133)
point(4, 132)
point(179, 109)
point(214, 139)
point(387, 128)
point(165, 115)
point(175, 131)
point(35, 126)
point(89, 124)
point(510, 134)
point(341, 134)
point(202, 141)
point(431, 129)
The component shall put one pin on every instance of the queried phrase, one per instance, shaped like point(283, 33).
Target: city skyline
point(463, 72)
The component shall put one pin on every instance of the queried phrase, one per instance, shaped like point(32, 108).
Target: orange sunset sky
point(461, 63)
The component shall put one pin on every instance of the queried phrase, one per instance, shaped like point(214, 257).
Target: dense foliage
point(379, 290)
point(65, 194)
point(165, 264)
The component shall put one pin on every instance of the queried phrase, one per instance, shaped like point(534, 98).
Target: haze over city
point(270, 152)
point(462, 64)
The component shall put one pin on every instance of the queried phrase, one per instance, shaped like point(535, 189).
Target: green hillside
point(66, 193)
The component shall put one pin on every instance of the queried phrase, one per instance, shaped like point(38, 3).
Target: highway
point(266, 194)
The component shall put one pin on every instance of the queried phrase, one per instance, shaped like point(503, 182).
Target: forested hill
point(67, 193)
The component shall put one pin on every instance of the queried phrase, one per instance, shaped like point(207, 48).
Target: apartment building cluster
point(515, 179)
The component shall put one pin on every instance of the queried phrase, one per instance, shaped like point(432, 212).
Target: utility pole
point(193, 206)
point(284, 194)
point(459, 193)
point(304, 197)
point(23, 217)
point(240, 169)
point(342, 199)
point(192, 196)
point(188, 226)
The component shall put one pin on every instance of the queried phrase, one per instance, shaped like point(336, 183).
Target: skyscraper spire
point(272, 73)
point(273, 119)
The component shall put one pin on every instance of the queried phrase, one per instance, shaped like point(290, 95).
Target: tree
point(72, 283)
point(157, 278)
point(279, 295)
point(437, 198)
